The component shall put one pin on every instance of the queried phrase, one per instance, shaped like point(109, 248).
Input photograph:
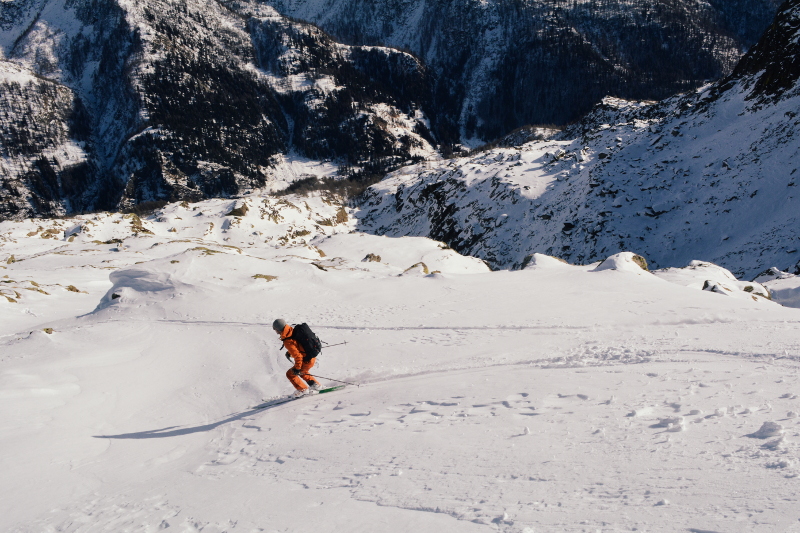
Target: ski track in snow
point(580, 423)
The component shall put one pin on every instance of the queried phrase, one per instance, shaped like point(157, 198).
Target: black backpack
point(307, 340)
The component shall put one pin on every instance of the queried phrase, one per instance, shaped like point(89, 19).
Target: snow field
point(555, 398)
point(449, 431)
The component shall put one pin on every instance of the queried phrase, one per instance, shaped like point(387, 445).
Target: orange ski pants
point(298, 381)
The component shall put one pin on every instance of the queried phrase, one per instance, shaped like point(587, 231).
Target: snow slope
point(554, 398)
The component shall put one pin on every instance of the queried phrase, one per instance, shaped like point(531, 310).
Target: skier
point(302, 363)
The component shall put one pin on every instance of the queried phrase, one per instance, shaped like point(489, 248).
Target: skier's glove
point(297, 371)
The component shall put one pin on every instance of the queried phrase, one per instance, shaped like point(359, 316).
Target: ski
point(331, 389)
point(286, 399)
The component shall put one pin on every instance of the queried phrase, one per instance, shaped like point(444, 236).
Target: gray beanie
point(278, 325)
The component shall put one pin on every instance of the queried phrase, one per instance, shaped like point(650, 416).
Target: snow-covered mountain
point(110, 103)
point(711, 174)
point(504, 64)
point(552, 398)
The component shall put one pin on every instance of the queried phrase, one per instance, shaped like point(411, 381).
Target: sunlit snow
point(554, 398)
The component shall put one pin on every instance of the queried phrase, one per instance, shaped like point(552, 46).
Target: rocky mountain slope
point(504, 64)
point(45, 131)
point(711, 174)
point(108, 103)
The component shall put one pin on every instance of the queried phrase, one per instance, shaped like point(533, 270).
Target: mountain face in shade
point(713, 175)
point(774, 65)
point(503, 65)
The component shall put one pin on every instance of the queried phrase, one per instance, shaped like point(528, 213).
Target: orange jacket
point(293, 347)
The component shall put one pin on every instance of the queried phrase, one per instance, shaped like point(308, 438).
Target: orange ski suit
point(297, 353)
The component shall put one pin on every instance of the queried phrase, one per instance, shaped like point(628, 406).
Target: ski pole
point(331, 379)
point(332, 345)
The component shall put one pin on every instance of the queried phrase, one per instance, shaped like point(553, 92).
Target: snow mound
point(130, 284)
point(741, 290)
point(537, 261)
point(642, 411)
point(696, 273)
point(672, 424)
point(202, 275)
point(625, 262)
point(714, 278)
point(771, 274)
point(378, 252)
point(768, 430)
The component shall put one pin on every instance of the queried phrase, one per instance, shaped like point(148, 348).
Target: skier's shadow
point(177, 431)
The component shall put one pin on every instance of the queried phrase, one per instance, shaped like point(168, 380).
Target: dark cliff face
point(170, 100)
point(774, 62)
point(206, 124)
point(341, 123)
point(504, 64)
point(45, 149)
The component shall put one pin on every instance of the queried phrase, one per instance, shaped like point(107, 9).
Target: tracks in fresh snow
point(616, 447)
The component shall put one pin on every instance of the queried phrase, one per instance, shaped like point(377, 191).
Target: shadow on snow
point(177, 431)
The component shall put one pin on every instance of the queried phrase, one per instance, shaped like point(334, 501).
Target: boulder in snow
point(738, 289)
point(714, 278)
point(74, 230)
point(418, 268)
point(238, 211)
